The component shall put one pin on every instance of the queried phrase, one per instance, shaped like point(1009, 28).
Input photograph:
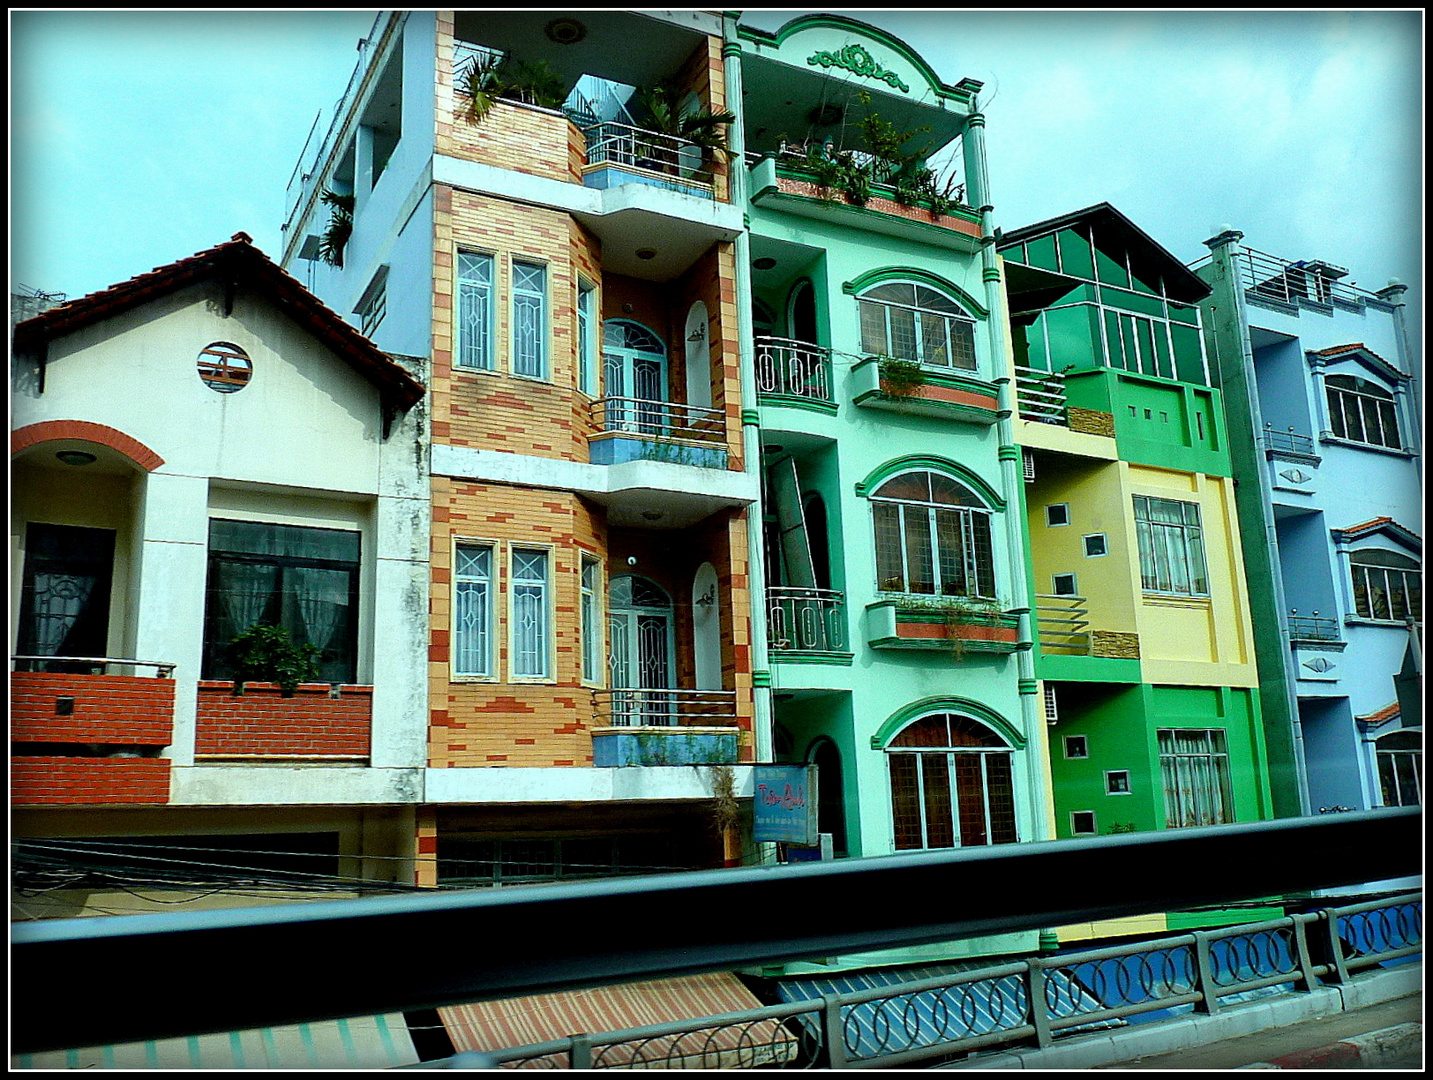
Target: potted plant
point(339, 229)
point(901, 378)
point(488, 78)
point(697, 126)
point(265, 653)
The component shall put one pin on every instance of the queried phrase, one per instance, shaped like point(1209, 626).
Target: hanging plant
point(339, 229)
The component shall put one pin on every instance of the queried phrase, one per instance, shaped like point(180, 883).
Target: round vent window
point(225, 367)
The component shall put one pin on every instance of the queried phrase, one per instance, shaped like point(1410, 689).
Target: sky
point(139, 138)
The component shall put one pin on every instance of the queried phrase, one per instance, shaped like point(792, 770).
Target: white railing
point(1062, 623)
point(808, 620)
point(611, 143)
point(789, 368)
point(96, 665)
point(1268, 277)
point(1040, 395)
point(663, 707)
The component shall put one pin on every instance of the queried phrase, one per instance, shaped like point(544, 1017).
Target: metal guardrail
point(1036, 1000)
point(1040, 395)
point(643, 707)
point(660, 419)
point(1268, 277)
point(116, 975)
point(789, 368)
point(812, 620)
point(1289, 440)
point(611, 143)
point(1062, 624)
point(1313, 628)
point(78, 664)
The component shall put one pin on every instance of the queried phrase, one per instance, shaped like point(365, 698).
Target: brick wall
point(59, 781)
point(123, 709)
point(263, 723)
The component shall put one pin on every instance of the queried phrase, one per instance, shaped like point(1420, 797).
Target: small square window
point(1082, 822)
point(1076, 746)
point(1065, 585)
point(1057, 514)
point(1095, 545)
point(1117, 782)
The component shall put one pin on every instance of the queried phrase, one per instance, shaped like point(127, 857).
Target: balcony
point(938, 393)
point(653, 727)
point(634, 429)
point(1040, 396)
point(1064, 630)
point(318, 722)
point(793, 373)
point(623, 154)
point(805, 623)
point(1313, 628)
point(1285, 284)
point(927, 624)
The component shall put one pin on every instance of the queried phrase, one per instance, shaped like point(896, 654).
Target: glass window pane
point(873, 329)
point(1111, 271)
point(1188, 360)
point(473, 323)
point(950, 544)
point(1390, 425)
point(939, 823)
point(890, 575)
point(935, 349)
point(905, 802)
point(1041, 252)
point(970, 796)
point(903, 333)
point(920, 564)
point(1336, 424)
point(1147, 361)
point(1353, 418)
point(1360, 592)
point(1000, 791)
point(962, 345)
point(530, 619)
point(1113, 343)
point(1075, 255)
point(529, 330)
point(1073, 336)
point(982, 553)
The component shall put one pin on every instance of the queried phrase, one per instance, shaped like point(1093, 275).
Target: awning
point(497, 1025)
point(911, 1021)
point(365, 1042)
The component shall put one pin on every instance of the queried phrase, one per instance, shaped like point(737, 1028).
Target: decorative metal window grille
point(913, 322)
point(1400, 768)
point(225, 367)
point(591, 621)
point(1171, 547)
point(951, 785)
point(1362, 412)
point(586, 339)
point(473, 610)
point(1052, 707)
point(932, 537)
point(474, 326)
point(529, 319)
point(530, 653)
point(1387, 586)
point(1194, 766)
point(374, 304)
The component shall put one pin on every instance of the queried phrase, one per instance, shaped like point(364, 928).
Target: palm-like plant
point(697, 126)
point(339, 229)
point(488, 78)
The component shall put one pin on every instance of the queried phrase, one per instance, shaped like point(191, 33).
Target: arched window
point(1361, 411)
point(914, 322)
point(1400, 768)
point(951, 784)
point(932, 537)
point(640, 659)
point(830, 792)
point(1387, 586)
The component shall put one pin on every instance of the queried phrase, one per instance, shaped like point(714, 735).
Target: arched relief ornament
point(856, 60)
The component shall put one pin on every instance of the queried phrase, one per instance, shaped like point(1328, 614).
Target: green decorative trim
point(919, 406)
point(881, 473)
point(730, 49)
point(880, 191)
point(809, 656)
point(903, 717)
point(1029, 686)
point(975, 119)
point(794, 401)
point(1008, 453)
point(858, 61)
point(990, 273)
point(746, 219)
point(924, 277)
point(750, 418)
point(760, 679)
point(872, 33)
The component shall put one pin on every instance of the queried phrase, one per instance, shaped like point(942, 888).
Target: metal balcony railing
point(660, 419)
point(1289, 440)
point(1313, 628)
point(1268, 277)
point(807, 620)
point(611, 143)
point(880, 170)
point(89, 665)
point(1062, 624)
point(662, 707)
point(1040, 395)
point(789, 368)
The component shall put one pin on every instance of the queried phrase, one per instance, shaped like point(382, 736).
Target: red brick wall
point(57, 781)
point(125, 709)
point(261, 722)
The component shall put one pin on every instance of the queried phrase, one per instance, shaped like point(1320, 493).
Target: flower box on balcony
point(955, 628)
point(616, 747)
point(945, 395)
point(317, 722)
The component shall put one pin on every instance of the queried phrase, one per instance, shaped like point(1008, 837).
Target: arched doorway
point(830, 794)
point(634, 370)
point(640, 619)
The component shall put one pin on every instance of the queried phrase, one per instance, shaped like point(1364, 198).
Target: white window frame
point(1214, 759)
point(1093, 830)
point(486, 347)
point(1390, 758)
point(1129, 790)
point(965, 323)
point(1055, 585)
point(547, 629)
point(1104, 539)
point(949, 755)
point(1050, 521)
point(1339, 397)
point(965, 517)
point(1165, 547)
point(544, 318)
point(592, 619)
point(490, 630)
point(588, 354)
point(1085, 744)
point(1370, 572)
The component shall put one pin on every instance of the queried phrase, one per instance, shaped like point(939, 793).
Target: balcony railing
point(787, 368)
point(1268, 277)
point(1040, 395)
point(660, 419)
point(89, 665)
point(662, 707)
point(1290, 441)
point(1062, 623)
point(806, 620)
point(611, 143)
point(1313, 628)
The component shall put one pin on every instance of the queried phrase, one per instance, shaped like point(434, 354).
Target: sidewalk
point(1245, 1035)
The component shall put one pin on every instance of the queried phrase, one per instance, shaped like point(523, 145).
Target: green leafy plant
point(488, 78)
point(1121, 827)
point(701, 126)
point(953, 612)
point(265, 653)
point(900, 377)
point(339, 228)
point(481, 86)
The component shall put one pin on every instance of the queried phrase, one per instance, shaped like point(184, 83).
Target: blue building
point(1324, 404)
